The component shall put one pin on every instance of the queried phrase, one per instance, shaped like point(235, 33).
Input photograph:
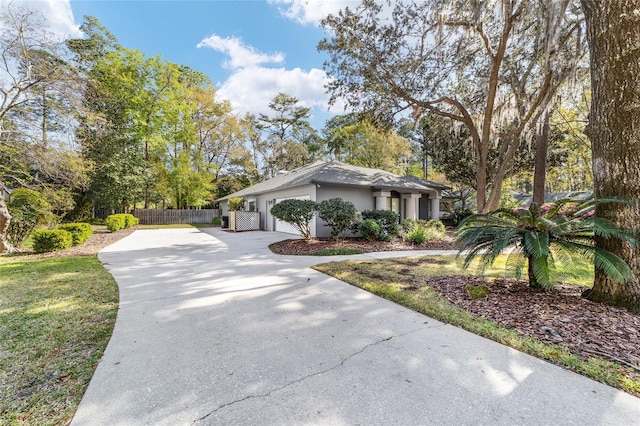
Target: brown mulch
point(559, 316)
point(309, 247)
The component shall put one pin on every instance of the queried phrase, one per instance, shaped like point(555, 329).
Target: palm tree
point(543, 234)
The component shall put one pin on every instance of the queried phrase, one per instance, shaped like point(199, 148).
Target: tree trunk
point(5, 219)
point(613, 31)
point(540, 168)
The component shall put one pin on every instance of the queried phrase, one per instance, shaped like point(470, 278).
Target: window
point(393, 204)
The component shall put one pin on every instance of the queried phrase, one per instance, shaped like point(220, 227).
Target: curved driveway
point(215, 329)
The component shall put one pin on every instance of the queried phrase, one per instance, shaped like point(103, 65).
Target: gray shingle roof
point(338, 173)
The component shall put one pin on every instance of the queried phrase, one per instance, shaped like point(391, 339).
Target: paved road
point(214, 329)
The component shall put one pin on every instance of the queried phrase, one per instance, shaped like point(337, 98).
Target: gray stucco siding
point(361, 197)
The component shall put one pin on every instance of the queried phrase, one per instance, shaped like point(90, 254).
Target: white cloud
point(240, 55)
point(253, 84)
point(311, 11)
point(251, 89)
point(56, 13)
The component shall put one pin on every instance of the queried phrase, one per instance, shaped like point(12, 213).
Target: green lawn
point(56, 318)
point(390, 278)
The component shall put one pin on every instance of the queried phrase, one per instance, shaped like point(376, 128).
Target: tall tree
point(613, 29)
point(287, 135)
point(29, 62)
point(491, 65)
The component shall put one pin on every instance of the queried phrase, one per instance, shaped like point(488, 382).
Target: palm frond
point(536, 244)
point(542, 271)
point(613, 266)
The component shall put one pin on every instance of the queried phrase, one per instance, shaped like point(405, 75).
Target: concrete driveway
point(215, 329)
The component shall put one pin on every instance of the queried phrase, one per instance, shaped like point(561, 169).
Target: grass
point(337, 251)
point(56, 318)
point(390, 278)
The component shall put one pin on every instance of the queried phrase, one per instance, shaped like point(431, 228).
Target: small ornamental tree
point(339, 214)
point(28, 209)
point(235, 203)
point(297, 213)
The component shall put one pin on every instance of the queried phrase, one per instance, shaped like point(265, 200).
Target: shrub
point(46, 240)
point(115, 222)
point(387, 219)
point(417, 236)
point(370, 230)
point(409, 225)
point(339, 214)
point(80, 232)
point(235, 203)
point(297, 213)
point(217, 221)
point(130, 220)
point(28, 209)
point(420, 231)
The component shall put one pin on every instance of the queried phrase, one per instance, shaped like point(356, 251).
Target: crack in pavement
point(317, 373)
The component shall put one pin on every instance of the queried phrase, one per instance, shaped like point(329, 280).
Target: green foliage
point(235, 203)
point(28, 209)
point(46, 240)
point(337, 251)
point(419, 231)
point(417, 236)
point(371, 230)
point(217, 221)
point(115, 222)
point(339, 214)
point(130, 220)
point(298, 213)
point(361, 143)
point(541, 235)
point(387, 219)
point(80, 232)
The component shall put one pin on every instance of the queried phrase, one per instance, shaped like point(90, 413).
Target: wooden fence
point(168, 217)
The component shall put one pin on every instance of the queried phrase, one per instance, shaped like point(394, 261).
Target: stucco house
point(367, 189)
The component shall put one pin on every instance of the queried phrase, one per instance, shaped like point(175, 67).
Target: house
point(5, 191)
point(367, 189)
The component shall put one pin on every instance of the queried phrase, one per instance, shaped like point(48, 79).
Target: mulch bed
point(309, 247)
point(559, 316)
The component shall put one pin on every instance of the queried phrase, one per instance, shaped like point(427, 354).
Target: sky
point(251, 50)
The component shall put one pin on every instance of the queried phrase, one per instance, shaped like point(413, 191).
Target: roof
point(338, 173)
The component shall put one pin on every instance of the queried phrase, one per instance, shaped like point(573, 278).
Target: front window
point(393, 204)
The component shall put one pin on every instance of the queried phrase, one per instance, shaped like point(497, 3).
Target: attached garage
point(281, 226)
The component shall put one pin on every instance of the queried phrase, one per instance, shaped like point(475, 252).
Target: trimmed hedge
point(371, 230)
point(80, 232)
point(387, 219)
point(45, 240)
point(116, 222)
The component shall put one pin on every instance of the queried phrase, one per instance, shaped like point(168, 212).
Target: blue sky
point(251, 50)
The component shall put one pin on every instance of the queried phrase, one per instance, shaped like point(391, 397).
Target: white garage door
point(284, 226)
